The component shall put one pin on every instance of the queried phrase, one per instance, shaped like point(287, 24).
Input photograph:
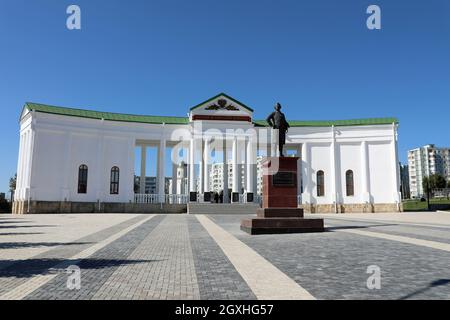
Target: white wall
point(350, 154)
point(62, 144)
point(49, 165)
point(320, 160)
point(25, 158)
point(381, 174)
point(349, 158)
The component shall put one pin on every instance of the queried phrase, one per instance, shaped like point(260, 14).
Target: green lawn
point(416, 205)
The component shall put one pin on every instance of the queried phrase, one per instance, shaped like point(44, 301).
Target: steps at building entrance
point(222, 208)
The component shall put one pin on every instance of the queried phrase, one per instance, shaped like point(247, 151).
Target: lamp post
point(428, 194)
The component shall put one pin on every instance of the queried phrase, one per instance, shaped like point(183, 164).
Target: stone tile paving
point(333, 265)
point(418, 232)
point(173, 256)
point(168, 272)
point(24, 236)
point(216, 276)
point(96, 270)
point(15, 272)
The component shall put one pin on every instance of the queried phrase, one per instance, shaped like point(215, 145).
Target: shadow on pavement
point(358, 227)
point(437, 283)
point(14, 221)
point(33, 226)
point(33, 267)
point(19, 233)
point(19, 245)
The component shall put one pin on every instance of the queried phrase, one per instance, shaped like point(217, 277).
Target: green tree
point(435, 181)
point(438, 181)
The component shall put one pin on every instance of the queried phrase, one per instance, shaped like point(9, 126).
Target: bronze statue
point(277, 120)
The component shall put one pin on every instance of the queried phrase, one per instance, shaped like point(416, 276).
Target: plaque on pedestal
point(280, 212)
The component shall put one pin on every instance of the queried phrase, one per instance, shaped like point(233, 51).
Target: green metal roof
point(226, 96)
point(336, 123)
point(110, 116)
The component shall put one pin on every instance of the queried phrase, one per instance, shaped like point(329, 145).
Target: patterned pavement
point(180, 257)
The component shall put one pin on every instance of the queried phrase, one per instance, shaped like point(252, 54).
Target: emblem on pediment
point(222, 104)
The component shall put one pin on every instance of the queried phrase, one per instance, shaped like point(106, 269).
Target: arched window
point(114, 186)
point(82, 178)
point(320, 183)
point(349, 182)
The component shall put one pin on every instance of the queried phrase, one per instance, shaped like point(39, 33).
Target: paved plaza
point(139, 256)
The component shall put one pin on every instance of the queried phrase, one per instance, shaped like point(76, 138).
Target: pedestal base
point(281, 220)
point(280, 212)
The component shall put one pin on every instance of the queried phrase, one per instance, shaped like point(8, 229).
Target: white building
point(151, 185)
point(216, 176)
point(426, 161)
point(73, 160)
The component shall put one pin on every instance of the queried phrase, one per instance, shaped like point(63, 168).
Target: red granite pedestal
point(280, 212)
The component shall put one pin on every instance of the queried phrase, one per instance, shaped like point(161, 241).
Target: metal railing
point(156, 198)
point(183, 198)
point(176, 198)
point(146, 198)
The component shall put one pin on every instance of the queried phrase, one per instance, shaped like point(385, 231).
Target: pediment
point(221, 105)
point(25, 112)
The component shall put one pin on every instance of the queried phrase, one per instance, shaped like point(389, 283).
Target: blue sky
point(160, 57)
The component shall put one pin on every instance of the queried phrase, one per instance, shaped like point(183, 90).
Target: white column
point(29, 164)
point(179, 183)
point(226, 196)
point(250, 165)
point(255, 176)
point(334, 189)
point(269, 143)
point(275, 152)
point(395, 163)
point(19, 168)
point(24, 164)
point(68, 169)
point(306, 174)
point(191, 164)
point(143, 168)
point(240, 157)
point(34, 140)
point(235, 166)
point(28, 168)
point(21, 172)
point(206, 176)
point(101, 170)
point(365, 172)
point(200, 166)
point(299, 169)
point(127, 180)
point(174, 178)
point(161, 170)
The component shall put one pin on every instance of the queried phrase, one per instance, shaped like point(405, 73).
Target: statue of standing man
point(277, 120)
